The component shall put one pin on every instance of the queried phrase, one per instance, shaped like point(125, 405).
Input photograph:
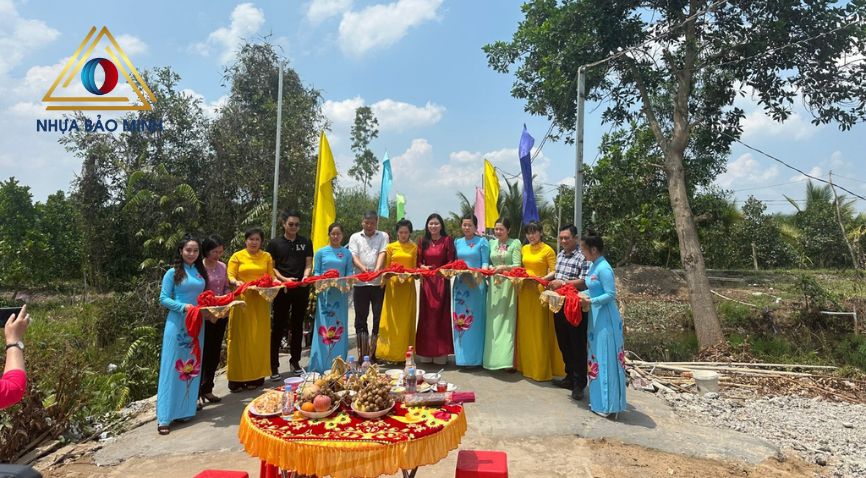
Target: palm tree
point(452, 222)
point(511, 206)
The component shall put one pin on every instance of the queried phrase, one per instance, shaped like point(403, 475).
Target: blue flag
point(530, 210)
point(387, 179)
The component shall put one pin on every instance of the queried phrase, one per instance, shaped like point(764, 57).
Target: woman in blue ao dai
point(330, 331)
point(469, 307)
point(179, 370)
point(606, 361)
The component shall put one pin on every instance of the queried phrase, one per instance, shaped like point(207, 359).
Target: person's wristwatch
point(18, 344)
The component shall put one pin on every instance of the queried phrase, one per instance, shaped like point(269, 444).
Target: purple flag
point(530, 210)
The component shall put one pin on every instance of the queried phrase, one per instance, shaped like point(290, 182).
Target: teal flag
point(401, 207)
point(387, 179)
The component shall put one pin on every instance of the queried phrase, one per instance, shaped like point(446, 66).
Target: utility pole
point(854, 260)
point(558, 225)
point(578, 168)
point(277, 152)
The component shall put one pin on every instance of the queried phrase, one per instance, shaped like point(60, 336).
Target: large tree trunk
point(707, 326)
point(700, 297)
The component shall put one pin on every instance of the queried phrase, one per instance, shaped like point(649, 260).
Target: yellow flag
point(324, 207)
point(491, 195)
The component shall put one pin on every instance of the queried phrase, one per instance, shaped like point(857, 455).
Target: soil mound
point(637, 279)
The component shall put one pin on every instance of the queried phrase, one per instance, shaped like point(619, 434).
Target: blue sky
point(418, 63)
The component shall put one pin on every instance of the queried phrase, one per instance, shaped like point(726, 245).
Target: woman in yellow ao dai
point(397, 328)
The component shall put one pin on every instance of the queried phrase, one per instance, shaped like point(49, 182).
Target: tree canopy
point(679, 65)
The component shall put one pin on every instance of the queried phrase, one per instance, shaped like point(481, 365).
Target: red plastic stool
point(222, 474)
point(481, 464)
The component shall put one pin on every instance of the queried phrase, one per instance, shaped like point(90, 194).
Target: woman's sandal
point(210, 397)
point(163, 429)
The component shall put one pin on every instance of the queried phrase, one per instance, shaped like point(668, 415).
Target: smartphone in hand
point(6, 312)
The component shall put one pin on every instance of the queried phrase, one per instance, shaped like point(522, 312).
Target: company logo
point(85, 66)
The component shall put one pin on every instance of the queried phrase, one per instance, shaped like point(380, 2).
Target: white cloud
point(393, 116)
point(246, 20)
point(465, 167)
point(413, 162)
point(816, 171)
point(131, 45)
point(746, 169)
point(209, 108)
point(756, 124)
point(20, 36)
point(836, 160)
point(400, 116)
point(321, 10)
point(464, 156)
point(382, 25)
point(342, 112)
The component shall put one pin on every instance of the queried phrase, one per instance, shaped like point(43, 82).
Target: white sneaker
point(276, 377)
point(601, 414)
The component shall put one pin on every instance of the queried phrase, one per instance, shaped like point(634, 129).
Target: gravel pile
point(827, 433)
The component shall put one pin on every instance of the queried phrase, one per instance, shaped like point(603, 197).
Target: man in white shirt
point(368, 254)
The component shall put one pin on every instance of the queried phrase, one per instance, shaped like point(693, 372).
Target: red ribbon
point(573, 307)
point(208, 299)
point(193, 327)
point(458, 265)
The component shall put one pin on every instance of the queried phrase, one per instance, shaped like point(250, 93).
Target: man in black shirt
point(293, 261)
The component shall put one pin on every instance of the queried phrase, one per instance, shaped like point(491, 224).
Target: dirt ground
point(590, 458)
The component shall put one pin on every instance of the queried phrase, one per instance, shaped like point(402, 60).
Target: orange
point(308, 407)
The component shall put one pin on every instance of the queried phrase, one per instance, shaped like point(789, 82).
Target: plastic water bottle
point(353, 367)
point(366, 365)
point(288, 398)
point(409, 375)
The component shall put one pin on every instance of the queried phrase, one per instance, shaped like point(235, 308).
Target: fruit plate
point(317, 415)
point(369, 415)
point(261, 414)
point(268, 401)
point(346, 395)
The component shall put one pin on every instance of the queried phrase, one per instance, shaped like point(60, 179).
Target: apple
point(322, 403)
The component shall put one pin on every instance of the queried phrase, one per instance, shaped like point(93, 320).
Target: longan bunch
point(374, 395)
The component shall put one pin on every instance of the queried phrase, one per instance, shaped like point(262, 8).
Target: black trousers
point(289, 311)
point(365, 298)
point(572, 344)
point(214, 333)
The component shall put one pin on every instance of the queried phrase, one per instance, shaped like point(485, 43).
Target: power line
point(656, 37)
point(849, 178)
point(509, 175)
point(787, 45)
point(762, 187)
point(794, 167)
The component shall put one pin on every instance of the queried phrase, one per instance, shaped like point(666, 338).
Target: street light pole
point(277, 152)
point(578, 170)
